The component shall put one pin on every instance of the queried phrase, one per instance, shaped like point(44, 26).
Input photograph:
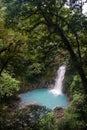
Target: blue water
point(45, 98)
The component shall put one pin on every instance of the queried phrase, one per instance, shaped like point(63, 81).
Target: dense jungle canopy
point(34, 35)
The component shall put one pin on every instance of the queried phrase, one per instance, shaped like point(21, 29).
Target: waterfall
point(57, 90)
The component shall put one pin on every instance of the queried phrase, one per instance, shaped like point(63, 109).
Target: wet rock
point(58, 112)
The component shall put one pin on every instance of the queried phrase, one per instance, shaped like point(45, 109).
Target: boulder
point(58, 112)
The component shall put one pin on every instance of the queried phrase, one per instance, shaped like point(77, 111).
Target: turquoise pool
point(44, 97)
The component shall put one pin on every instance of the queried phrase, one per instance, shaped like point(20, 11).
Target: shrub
point(8, 85)
point(75, 116)
point(47, 122)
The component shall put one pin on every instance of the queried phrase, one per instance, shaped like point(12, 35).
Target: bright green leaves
point(47, 122)
point(8, 85)
point(76, 85)
point(34, 70)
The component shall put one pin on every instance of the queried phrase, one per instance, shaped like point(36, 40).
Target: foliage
point(8, 85)
point(53, 19)
point(76, 85)
point(68, 79)
point(26, 118)
point(12, 47)
point(31, 36)
point(75, 115)
point(47, 122)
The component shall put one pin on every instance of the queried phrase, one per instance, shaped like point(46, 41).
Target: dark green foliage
point(57, 20)
point(27, 118)
point(75, 116)
point(70, 72)
point(42, 29)
point(47, 123)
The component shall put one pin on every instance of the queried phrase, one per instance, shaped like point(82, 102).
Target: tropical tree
point(12, 46)
point(69, 26)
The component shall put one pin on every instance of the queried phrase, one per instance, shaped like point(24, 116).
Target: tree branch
point(6, 48)
point(35, 26)
point(78, 46)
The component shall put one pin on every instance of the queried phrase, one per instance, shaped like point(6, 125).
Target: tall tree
point(56, 18)
point(12, 44)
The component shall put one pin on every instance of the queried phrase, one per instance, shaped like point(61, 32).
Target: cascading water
point(47, 97)
point(57, 90)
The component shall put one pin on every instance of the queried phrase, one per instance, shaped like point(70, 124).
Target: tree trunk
point(74, 58)
point(4, 65)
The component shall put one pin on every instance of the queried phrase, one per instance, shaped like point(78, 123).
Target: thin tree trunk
point(4, 65)
point(78, 47)
point(2, 68)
